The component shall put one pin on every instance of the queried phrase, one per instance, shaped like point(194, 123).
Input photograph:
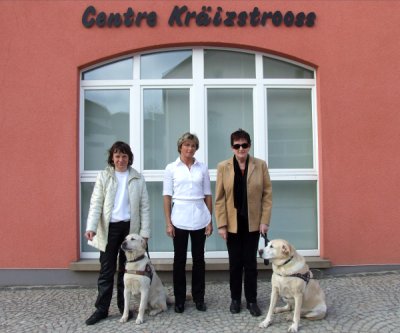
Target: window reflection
point(227, 110)
point(166, 65)
point(290, 141)
point(228, 64)
point(120, 70)
point(277, 69)
point(166, 118)
point(106, 121)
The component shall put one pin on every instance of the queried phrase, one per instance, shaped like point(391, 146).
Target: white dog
point(293, 281)
point(141, 278)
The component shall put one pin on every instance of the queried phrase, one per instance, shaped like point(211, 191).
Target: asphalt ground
point(361, 302)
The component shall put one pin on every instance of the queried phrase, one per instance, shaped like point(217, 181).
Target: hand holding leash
point(266, 240)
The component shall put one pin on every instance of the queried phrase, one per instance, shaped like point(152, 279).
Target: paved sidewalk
point(367, 303)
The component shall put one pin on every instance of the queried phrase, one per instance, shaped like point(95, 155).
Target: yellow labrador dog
point(293, 281)
point(141, 278)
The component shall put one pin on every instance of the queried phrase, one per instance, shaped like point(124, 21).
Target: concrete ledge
point(165, 265)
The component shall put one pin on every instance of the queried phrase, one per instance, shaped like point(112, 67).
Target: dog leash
point(147, 250)
point(266, 241)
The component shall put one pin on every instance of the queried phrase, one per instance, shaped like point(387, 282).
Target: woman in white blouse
point(188, 209)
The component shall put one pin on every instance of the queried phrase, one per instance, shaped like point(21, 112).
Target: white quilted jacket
point(102, 202)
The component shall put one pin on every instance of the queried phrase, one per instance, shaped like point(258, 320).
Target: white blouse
point(188, 188)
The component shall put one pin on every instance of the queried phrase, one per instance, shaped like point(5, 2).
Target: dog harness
point(148, 272)
point(306, 276)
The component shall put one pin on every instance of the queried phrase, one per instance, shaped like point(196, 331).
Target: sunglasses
point(243, 145)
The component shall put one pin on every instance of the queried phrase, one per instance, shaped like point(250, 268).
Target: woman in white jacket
point(119, 206)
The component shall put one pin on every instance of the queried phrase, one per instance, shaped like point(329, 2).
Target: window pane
point(86, 193)
point(228, 64)
point(215, 242)
point(159, 240)
point(228, 110)
point(290, 137)
point(277, 69)
point(166, 65)
point(166, 118)
point(106, 121)
point(120, 70)
point(294, 213)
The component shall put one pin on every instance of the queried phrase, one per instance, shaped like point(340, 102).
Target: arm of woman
point(167, 214)
point(266, 201)
point(167, 195)
point(95, 208)
point(145, 228)
point(209, 227)
point(220, 204)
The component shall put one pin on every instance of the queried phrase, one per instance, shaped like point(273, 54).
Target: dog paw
point(264, 324)
point(155, 312)
point(139, 321)
point(293, 328)
point(123, 319)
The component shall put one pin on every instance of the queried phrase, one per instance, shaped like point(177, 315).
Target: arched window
point(149, 100)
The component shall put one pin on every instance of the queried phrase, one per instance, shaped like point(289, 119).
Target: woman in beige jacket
point(243, 210)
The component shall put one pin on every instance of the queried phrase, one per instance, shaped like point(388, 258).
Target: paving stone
point(357, 303)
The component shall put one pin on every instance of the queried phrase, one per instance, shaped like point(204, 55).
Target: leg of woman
point(108, 263)
point(250, 265)
point(179, 267)
point(235, 265)
point(121, 270)
point(198, 239)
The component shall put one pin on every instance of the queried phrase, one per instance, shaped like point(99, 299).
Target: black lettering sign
point(90, 18)
point(181, 16)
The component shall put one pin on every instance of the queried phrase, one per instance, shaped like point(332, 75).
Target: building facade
point(313, 82)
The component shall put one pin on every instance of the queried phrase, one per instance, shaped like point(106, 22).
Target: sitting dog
point(141, 278)
point(293, 281)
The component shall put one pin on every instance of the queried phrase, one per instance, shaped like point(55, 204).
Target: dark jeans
point(198, 239)
point(242, 250)
point(108, 266)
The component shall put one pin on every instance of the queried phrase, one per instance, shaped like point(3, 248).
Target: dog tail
point(171, 298)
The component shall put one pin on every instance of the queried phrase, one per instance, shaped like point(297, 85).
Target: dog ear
point(286, 249)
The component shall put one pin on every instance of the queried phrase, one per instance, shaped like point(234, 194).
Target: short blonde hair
point(187, 137)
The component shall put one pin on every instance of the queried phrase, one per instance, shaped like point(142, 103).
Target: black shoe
point(96, 317)
point(201, 306)
point(235, 306)
point(254, 309)
point(179, 308)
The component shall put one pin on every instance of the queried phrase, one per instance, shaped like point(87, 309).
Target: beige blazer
point(259, 195)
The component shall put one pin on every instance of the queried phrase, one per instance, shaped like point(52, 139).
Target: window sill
point(90, 265)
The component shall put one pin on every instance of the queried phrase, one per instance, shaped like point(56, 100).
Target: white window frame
point(198, 86)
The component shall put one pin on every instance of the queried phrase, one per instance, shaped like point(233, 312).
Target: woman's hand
point(170, 230)
point(209, 229)
point(263, 229)
point(223, 233)
point(89, 235)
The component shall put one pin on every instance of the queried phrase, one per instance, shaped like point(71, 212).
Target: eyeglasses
point(243, 145)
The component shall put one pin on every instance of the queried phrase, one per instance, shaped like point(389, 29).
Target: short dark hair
point(185, 137)
point(240, 134)
point(119, 147)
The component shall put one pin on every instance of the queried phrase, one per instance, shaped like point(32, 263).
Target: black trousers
point(198, 239)
point(242, 250)
point(108, 266)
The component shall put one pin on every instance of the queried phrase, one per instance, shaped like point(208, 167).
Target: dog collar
point(287, 261)
point(137, 259)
